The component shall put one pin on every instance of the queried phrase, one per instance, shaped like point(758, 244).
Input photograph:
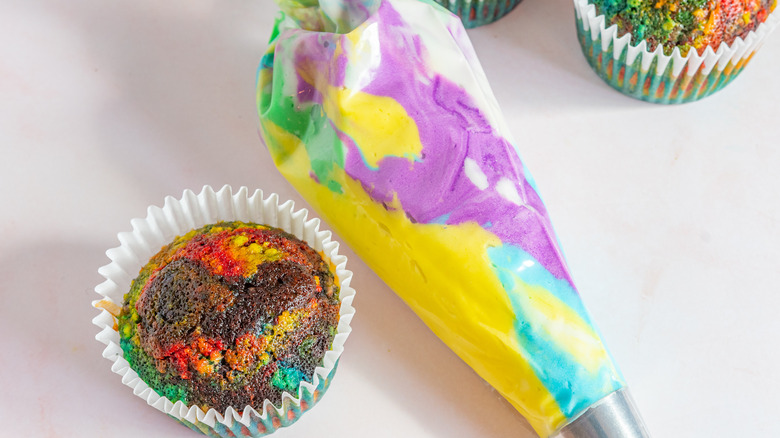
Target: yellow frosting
point(409, 258)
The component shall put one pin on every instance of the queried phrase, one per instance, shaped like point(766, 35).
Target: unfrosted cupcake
point(475, 13)
point(671, 51)
point(233, 328)
point(229, 315)
point(344, 15)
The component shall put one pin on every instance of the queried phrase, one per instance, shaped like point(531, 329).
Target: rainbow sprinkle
point(687, 24)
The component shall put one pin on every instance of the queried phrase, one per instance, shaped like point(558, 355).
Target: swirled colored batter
point(391, 132)
point(687, 24)
point(230, 314)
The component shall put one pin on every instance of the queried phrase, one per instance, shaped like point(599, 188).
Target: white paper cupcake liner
point(177, 217)
point(658, 77)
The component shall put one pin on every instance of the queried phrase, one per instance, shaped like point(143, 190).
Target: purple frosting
point(434, 186)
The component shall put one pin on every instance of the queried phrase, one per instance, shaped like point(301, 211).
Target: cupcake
point(476, 13)
point(233, 328)
point(344, 15)
point(671, 51)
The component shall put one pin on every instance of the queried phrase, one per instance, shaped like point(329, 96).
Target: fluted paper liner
point(655, 76)
point(177, 217)
point(475, 13)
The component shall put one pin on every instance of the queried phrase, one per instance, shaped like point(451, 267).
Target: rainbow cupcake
point(671, 51)
point(233, 328)
point(476, 13)
point(344, 15)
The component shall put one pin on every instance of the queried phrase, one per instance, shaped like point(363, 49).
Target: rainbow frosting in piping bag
point(380, 115)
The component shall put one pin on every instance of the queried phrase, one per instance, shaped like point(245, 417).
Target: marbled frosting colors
point(391, 132)
point(230, 314)
point(687, 24)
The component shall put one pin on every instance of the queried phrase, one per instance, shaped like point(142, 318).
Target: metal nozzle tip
point(614, 416)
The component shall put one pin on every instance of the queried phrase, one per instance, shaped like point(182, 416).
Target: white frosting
point(475, 174)
point(506, 188)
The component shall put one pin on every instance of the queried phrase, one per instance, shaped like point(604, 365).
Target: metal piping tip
point(614, 416)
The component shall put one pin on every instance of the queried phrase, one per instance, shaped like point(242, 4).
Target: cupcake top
point(230, 314)
point(687, 24)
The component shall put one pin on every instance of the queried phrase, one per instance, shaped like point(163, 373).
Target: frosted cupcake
point(233, 328)
point(671, 51)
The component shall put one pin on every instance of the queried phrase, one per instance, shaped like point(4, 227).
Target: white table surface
point(669, 217)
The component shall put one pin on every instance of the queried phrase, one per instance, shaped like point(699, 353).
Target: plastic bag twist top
point(335, 16)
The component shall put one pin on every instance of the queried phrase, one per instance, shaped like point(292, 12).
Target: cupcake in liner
point(344, 15)
point(655, 76)
point(177, 217)
point(476, 13)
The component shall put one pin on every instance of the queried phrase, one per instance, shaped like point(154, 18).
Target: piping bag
point(379, 114)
